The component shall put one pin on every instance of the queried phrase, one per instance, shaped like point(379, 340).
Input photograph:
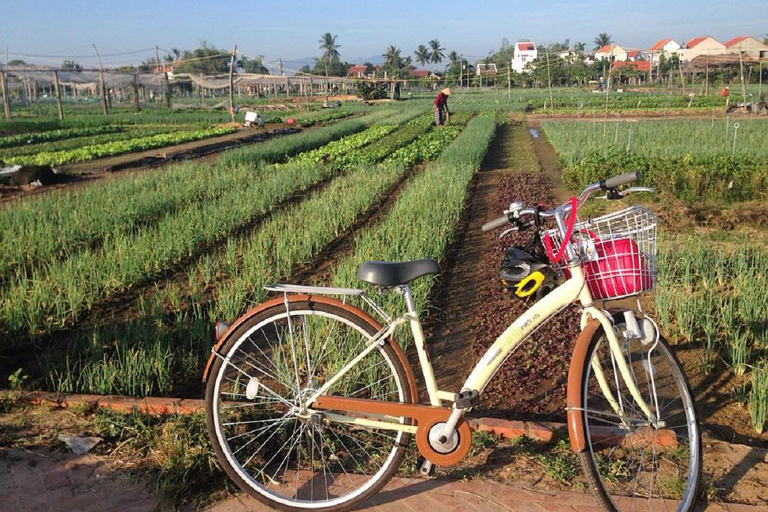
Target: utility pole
point(549, 81)
point(232, 83)
point(103, 85)
point(157, 60)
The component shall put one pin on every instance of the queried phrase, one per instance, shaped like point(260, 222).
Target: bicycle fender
point(321, 299)
point(574, 406)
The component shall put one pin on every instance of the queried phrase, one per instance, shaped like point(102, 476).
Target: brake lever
point(507, 231)
point(630, 190)
point(619, 194)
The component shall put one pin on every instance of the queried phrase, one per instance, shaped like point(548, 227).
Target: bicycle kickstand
point(426, 468)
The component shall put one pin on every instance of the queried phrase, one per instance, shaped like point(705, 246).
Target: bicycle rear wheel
point(631, 463)
point(258, 424)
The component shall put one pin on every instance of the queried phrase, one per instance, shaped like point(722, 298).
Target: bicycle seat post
point(421, 344)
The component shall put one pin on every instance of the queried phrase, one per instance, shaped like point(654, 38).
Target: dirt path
point(448, 323)
point(547, 157)
point(46, 480)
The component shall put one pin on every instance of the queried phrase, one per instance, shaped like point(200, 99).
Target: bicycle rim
point(632, 463)
point(276, 451)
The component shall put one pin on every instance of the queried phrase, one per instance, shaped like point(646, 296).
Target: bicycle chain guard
point(426, 417)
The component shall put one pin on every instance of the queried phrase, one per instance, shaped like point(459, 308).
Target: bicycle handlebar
point(495, 223)
point(607, 184)
point(621, 179)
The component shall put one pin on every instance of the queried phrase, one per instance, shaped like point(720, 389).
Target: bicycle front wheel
point(633, 462)
point(257, 419)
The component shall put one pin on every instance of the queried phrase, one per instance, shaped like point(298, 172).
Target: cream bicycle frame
point(573, 289)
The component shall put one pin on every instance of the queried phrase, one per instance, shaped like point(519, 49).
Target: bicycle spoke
point(264, 428)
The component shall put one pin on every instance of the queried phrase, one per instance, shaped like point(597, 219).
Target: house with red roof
point(611, 53)
point(524, 52)
point(356, 72)
point(706, 45)
point(666, 47)
point(747, 45)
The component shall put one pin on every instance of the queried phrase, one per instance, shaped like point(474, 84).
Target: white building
point(611, 53)
point(525, 52)
point(666, 47)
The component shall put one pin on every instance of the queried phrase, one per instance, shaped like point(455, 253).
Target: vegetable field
point(115, 285)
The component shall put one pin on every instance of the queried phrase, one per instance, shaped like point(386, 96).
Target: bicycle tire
point(315, 471)
point(635, 466)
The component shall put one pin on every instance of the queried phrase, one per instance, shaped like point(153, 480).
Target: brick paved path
point(416, 495)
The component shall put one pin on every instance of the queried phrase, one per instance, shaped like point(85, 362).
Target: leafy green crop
point(117, 147)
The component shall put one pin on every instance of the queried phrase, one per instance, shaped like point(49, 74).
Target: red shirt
point(441, 100)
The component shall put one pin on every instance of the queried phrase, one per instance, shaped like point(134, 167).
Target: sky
point(47, 32)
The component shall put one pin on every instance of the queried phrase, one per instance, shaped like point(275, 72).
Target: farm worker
point(724, 93)
point(441, 107)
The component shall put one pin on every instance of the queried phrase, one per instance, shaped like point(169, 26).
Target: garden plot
point(166, 338)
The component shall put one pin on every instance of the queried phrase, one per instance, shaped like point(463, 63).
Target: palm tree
point(580, 47)
point(422, 55)
point(602, 39)
point(436, 52)
point(392, 59)
point(328, 43)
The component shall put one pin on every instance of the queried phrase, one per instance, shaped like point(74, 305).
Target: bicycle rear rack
point(324, 290)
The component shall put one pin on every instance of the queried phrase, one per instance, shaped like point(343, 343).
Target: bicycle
point(311, 403)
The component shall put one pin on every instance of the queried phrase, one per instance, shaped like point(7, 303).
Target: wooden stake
point(232, 83)
point(136, 92)
point(6, 103)
point(58, 94)
point(167, 90)
point(741, 72)
point(103, 85)
point(682, 78)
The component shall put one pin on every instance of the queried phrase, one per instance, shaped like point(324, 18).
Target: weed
point(173, 449)
point(16, 380)
point(758, 398)
point(562, 467)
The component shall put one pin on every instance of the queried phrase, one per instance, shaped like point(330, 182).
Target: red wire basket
point(617, 252)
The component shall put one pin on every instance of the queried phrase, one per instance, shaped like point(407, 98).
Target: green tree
point(458, 70)
point(580, 47)
point(436, 52)
point(422, 55)
point(16, 62)
point(602, 39)
point(253, 65)
point(393, 62)
point(503, 56)
point(331, 52)
point(207, 59)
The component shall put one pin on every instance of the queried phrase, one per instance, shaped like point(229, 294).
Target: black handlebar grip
point(496, 223)
point(621, 179)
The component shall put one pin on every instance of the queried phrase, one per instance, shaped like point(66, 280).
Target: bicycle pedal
point(426, 468)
